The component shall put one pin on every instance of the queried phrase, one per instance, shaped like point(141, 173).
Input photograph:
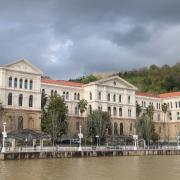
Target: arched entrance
point(20, 122)
point(121, 129)
point(115, 128)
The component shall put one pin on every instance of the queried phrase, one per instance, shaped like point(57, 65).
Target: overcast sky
point(71, 38)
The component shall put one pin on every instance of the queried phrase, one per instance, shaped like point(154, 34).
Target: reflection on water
point(108, 168)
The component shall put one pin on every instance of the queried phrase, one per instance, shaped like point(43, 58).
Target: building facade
point(21, 86)
point(20, 95)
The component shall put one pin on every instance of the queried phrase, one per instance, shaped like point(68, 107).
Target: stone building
point(20, 85)
point(20, 93)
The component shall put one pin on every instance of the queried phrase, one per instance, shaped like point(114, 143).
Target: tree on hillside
point(55, 122)
point(99, 123)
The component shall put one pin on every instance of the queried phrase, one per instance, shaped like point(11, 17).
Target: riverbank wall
point(83, 154)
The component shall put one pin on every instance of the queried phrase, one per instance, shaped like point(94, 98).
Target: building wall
point(122, 96)
point(31, 115)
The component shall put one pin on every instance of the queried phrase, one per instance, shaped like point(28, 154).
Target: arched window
point(108, 97)
point(178, 116)
point(78, 96)
point(130, 127)
point(30, 101)
point(90, 95)
point(15, 82)
point(114, 98)
point(10, 99)
point(119, 98)
point(55, 92)
point(76, 111)
point(99, 95)
point(114, 111)
point(120, 112)
point(20, 100)
point(176, 104)
point(170, 116)
point(159, 129)
point(64, 93)
point(90, 109)
point(67, 95)
point(43, 91)
point(26, 84)
point(109, 110)
point(115, 128)
point(52, 92)
point(75, 97)
point(129, 112)
point(129, 99)
point(121, 129)
point(31, 84)
point(20, 83)
point(10, 81)
point(20, 122)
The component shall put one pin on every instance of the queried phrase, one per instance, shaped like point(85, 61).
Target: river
point(103, 168)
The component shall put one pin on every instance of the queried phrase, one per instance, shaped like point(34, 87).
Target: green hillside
point(153, 79)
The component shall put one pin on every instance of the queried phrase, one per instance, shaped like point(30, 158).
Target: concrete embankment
point(91, 153)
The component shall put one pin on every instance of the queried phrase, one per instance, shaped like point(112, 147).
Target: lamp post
point(80, 137)
point(97, 139)
point(26, 143)
point(4, 133)
point(135, 137)
point(178, 141)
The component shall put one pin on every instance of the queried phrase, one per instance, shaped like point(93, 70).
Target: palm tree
point(44, 100)
point(164, 108)
point(82, 106)
point(150, 111)
point(138, 110)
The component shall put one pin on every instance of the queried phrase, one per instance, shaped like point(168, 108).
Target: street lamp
point(4, 133)
point(178, 141)
point(135, 137)
point(97, 139)
point(80, 135)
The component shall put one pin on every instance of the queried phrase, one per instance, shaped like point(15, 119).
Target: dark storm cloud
point(69, 38)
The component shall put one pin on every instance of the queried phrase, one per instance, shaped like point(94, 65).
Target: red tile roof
point(171, 94)
point(61, 82)
point(147, 94)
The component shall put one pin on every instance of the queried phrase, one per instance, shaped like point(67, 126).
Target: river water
point(108, 168)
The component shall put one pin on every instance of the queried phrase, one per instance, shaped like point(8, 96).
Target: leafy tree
point(99, 123)
point(145, 125)
point(56, 122)
point(145, 128)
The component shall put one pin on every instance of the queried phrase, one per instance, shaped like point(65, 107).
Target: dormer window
point(114, 83)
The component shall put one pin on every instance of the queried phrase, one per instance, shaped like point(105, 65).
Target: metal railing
point(87, 148)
